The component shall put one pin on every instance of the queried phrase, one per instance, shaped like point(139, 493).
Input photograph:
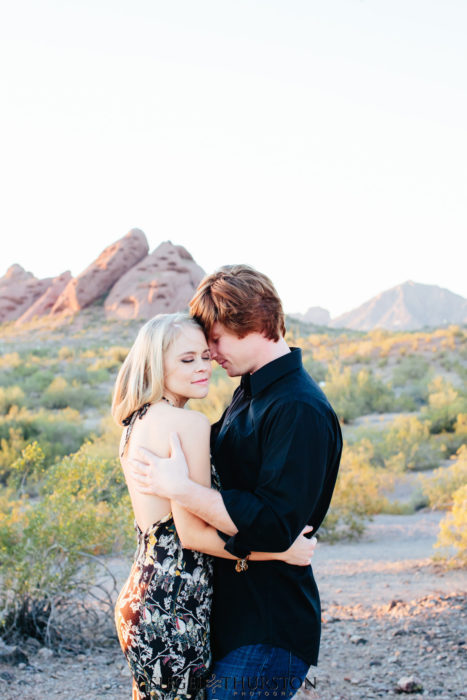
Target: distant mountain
point(409, 306)
point(315, 314)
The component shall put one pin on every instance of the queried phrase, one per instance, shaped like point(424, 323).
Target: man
point(277, 449)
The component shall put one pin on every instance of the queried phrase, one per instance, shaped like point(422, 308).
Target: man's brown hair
point(242, 299)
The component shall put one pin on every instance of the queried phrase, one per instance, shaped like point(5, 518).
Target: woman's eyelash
point(191, 359)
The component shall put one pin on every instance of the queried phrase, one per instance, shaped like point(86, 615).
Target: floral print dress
point(162, 615)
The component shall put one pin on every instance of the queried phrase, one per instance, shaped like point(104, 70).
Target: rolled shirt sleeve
point(295, 440)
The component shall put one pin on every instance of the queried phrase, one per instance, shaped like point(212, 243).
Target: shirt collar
point(254, 383)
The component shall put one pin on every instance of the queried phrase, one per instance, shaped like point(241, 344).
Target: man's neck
point(269, 351)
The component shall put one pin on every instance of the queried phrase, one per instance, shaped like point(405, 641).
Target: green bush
point(11, 448)
point(10, 360)
point(452, 538)
point(36, 383)
point(59, 432)
point(356, 394)
point(439, 488)
point(315, 369)
point(11, 396)
point(47, 545)
point(66, 353)
point(445, 404)
point(410, 369)
point(27, 469)
point(406, 444)
point(60, 394)
point(358, 494)
point(111, 358)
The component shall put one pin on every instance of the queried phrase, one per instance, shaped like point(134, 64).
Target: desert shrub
point(412, 377)
point(406, 444)
point(27, 468)
point(409, 369)
point(439, 488)
point(458, 437)
point(10, 360)
point(10, 396)
point(373, 394)
point(36, 383)
point(356, 394)
point(358, 494)
point(111, 358)
point(98, 376)
point(452, 536)
point(43, 351)
point(340, 390)
point(76, 372)
point(65, 353)
point(316, 369)
point(59, 432)
point(60, 394)
point(47, 547)
point(10, 450)
point(445, 403)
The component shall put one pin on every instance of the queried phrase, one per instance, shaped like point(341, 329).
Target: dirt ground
point(388, 613)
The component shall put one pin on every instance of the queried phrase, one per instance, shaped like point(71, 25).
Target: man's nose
point(212, 350)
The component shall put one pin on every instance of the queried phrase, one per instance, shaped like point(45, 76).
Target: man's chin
point(232, 372)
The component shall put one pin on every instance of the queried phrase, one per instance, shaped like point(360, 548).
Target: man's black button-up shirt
point(277, 450)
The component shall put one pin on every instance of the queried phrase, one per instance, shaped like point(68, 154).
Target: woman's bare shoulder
point(170, 419)
point(189, 420)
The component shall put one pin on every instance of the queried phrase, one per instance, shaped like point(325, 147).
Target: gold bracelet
point(242, 564)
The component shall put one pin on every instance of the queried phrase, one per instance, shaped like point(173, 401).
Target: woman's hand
point(301, 551)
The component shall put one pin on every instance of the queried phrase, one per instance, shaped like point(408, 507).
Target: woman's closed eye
point(207, 358)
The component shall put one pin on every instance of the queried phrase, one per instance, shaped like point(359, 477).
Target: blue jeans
point(256, 671)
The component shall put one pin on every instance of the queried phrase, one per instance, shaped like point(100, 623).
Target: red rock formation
point(18, 291)
point(99, 277)
point(44, 304)
point(163, 282)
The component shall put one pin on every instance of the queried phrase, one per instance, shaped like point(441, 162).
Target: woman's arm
point(196, 534)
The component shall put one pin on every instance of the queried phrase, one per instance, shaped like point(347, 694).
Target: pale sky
point(323, 142)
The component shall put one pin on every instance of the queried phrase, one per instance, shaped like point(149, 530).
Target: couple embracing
point(221, 601)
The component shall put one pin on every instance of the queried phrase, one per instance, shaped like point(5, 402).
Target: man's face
point(236, 355)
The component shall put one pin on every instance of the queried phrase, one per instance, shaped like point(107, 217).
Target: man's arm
point(296, 440)
point(207, 504)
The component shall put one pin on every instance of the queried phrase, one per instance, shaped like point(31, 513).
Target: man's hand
point(157, 476)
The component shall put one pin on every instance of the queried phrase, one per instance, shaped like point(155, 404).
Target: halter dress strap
point(130, 421)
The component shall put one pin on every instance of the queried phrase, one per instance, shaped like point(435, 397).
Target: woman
point(162, 613)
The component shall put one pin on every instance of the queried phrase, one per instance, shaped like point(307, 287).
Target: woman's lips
point(201, 381)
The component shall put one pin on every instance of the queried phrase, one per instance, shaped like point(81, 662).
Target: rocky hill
point(315, 314)
point(408, 306)
point(133, 282)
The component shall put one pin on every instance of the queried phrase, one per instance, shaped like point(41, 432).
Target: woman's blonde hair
point(141, 377)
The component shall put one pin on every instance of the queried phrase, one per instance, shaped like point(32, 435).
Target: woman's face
point(187, 366)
